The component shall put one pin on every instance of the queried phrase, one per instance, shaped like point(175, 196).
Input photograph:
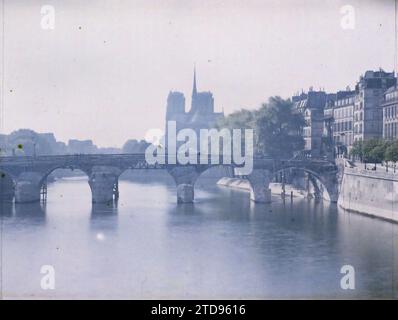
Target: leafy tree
point(391, 153)
point(242, 119)
point(357, 149)
point(278, 128)
point(376, 155)
point(238, 120)
point(29, 142)
point(368, 146)
point(374, 150)
point(134, 146)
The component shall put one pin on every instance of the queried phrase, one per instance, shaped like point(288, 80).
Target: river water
point(223, 246)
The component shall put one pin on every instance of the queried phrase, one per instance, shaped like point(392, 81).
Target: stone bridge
point(28, 174)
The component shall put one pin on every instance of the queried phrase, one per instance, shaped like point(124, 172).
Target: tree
point(368, 146)
point(242, 119)
point(278, 128)
point(28, 142)
point(357, 149)
point(391, 153)
point(374, 150)
point(134, 146)
point(376, 155)
point(238, 120)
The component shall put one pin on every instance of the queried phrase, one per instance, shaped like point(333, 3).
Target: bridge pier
point(185, 177)
point(185, 193)
point(102, 181)
point(259, 182)
point(6, 188)
point(260, 194)
point(332, 189)
point(27, 187)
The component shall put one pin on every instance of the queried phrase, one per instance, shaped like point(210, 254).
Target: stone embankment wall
point(374, 193)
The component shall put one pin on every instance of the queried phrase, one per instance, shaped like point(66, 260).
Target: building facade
point(336, 120)
point(390, 113)
point(343, 118)
point(368, 112)
point(312, 105)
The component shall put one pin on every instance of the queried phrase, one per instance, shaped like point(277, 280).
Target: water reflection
point(6, 208)
point(185, 209)
point(33, 210)
point(222, 246)
point(101, 210)
point(104, 216)
point(34, 213)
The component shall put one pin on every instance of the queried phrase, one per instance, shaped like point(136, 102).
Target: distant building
point(312, 105)
point(368, 112)
point(55, 146)
point(200, 116)
point(337, 120)
point(135, 146)
point(390, 113)
point(343, 117)
point(328, 118)
point(81, 146)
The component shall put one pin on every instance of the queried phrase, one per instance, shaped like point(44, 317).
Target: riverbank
point(276, 188)
point(373, 193)
point(366, 192)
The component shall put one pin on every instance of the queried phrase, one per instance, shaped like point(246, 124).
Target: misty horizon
point(105, 70)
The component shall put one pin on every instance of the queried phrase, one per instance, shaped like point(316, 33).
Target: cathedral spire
point(194, 91)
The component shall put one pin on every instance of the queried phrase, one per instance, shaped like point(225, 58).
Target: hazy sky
point(105, 70)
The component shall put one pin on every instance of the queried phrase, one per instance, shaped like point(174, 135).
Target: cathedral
point(200, 116)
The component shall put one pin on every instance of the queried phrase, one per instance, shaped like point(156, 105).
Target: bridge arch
point(212, 172)
point(135, 174)
point(50, 178)
point(31, 185)
point(327, 180)
point(64, 167)
point(151, 183)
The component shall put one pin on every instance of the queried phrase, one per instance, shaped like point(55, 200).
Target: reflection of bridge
point(28, 174)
